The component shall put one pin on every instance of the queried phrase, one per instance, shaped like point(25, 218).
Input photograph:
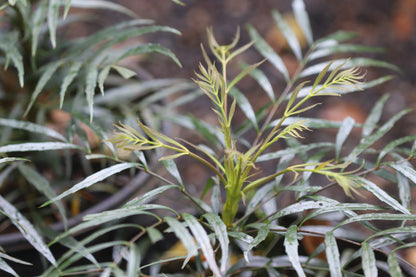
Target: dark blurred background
point(381, 23)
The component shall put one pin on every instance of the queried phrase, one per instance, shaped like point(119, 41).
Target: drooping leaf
point(300, 207)
point(91, 78)
point(368, 260)
point(374, 116)
point(154, 234)
point(43, 80)
point(341, 48)
point(220, 230)
point(291, 246)
point(26, 229)
point(245, 106)
point(94, 178)
point(404, 190)
point(347, 63)
point(9, 46)
point(369, 140)
point(31, 127)
point(42, 185)
point(394, 267)
point(288, 33)
point(406, 169)
point(184, 236)
point(332, 255)
point(342, 134)
point(171, 167)
point(262, 233)
point(102, 4)
point(267, 52)
point(53, 14)
point(202, 238)
point(263, 81)
point(70, 243)
point(302, 18)
point(37, 146)
point(294, 150)
point(10, 160)
point(38, 18)
point(124, 72)
point(70, 75)
point(392, 145)
point(5, 267)
point(383, 196)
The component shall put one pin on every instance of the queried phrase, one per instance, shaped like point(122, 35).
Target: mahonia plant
point(234, 168)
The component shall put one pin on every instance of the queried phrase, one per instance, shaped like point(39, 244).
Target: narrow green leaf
point(102, 76)
point(150, 48)
point(341, 48)
point(203, 241)
point(288, 33)
point(263, 81)
point(404, 190)
point(5, 267)
point(318, 79)
point(406, 169)
point(70, 75)
point(43, 186)
point(53, 14)
point(37, 146)
point(394, 267)
point(383, 196)
point(268, 52)
point(171, 167)
point(339, 36)
point(374, 116)
point(300, 207)
point(43, 80)
point(302, 18)
point(220, 230)
point(101, 4)
point(178, 2)
point(26, 229)
point(70, 243)
point(66, 8)
point(124, 72)
point(294, 150)
point(38, 18)
point(94, 178)
point(243, 73)
point(10, 160)
point(31, 127)
point(148, 196)
point(368, 260)
point(154, 234)
point(9, 46)
point(90, 85)
point(377, 216)
point(291, 246)
point(332, 255)
point(393, 144)
point(342, 134)
point(369, 140)
point(245, 106)
point(124, 211)
point(348, 63)
point(341, 207)
point(262, 233)
point(184, 236)
point(133, 260)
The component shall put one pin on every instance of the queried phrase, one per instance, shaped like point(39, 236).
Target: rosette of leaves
point(59, 95)
point(243, 227)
